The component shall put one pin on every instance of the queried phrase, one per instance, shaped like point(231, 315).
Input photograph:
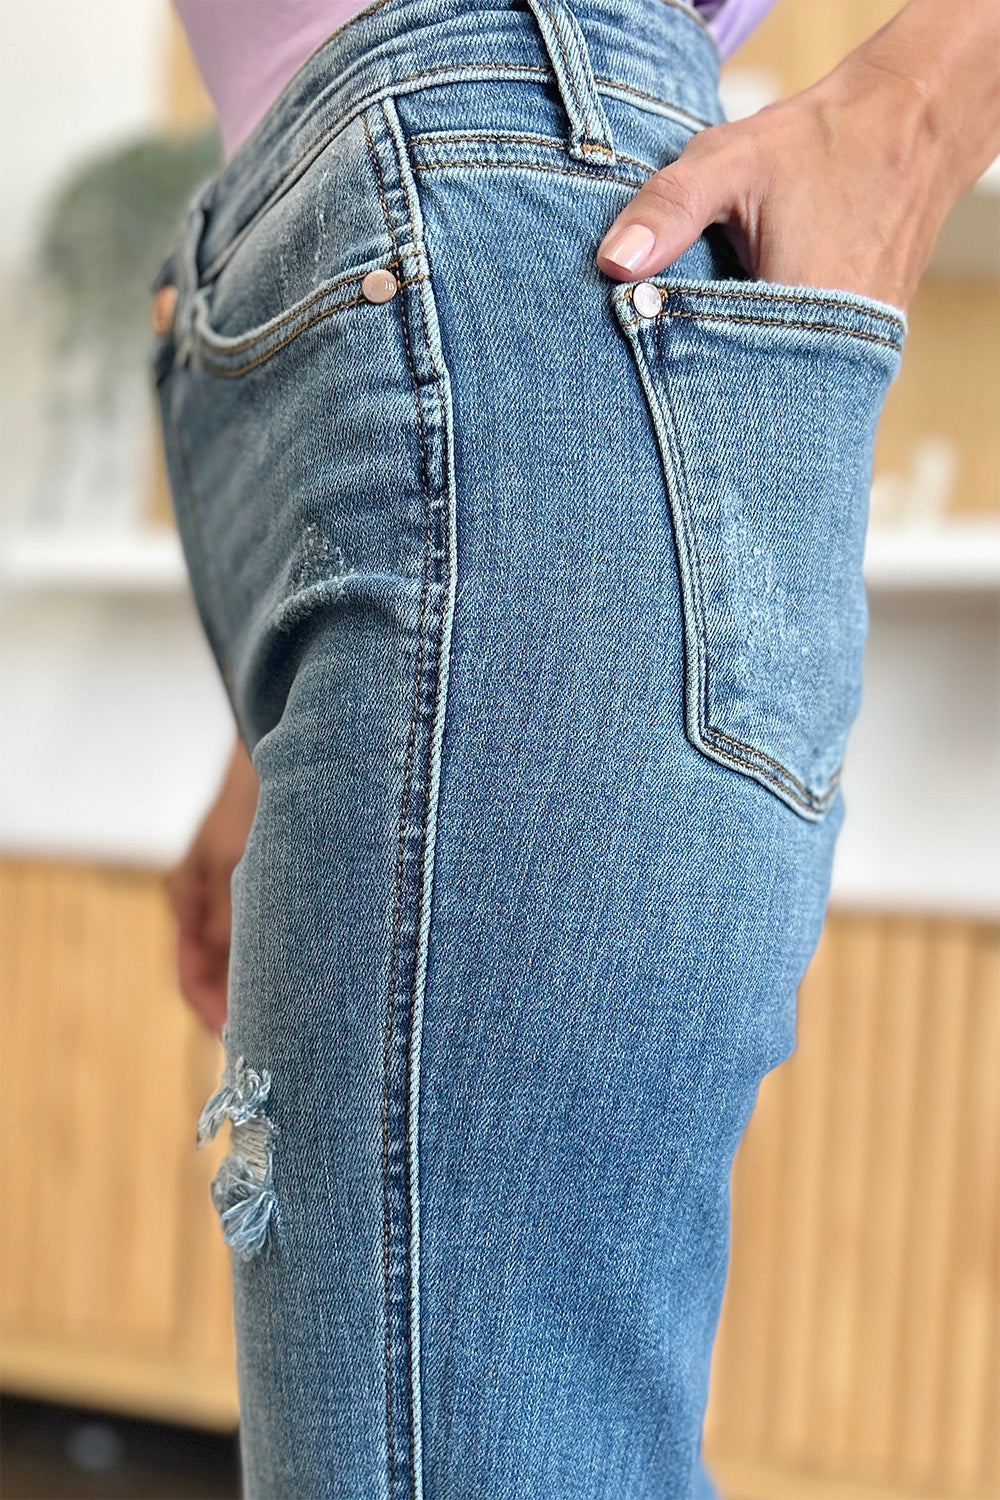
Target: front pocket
point(765, 401)
point(235, 356)
point(322, 219)
point(308, 487)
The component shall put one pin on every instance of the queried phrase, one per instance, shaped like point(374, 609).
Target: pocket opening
point(237, 355)
point(774, 305)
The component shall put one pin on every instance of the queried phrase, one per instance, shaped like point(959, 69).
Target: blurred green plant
point(110, 227)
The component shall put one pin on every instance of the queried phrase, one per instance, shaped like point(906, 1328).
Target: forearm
point(240, 786)
point(945, 57)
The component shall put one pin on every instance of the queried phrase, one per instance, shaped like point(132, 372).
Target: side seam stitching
point(400, 855)
point(442, 651)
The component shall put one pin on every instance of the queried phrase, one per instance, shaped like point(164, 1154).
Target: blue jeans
point(540, 610)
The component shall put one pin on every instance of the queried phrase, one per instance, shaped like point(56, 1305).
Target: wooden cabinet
point(857, 1353)
point(115, 1289)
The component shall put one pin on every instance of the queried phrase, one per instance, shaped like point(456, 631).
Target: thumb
point(672, 208)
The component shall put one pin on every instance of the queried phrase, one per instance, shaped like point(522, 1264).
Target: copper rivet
point(647, 299)
point(379, 286)
point(164, 304)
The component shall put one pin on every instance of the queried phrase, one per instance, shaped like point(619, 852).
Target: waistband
point(656, 54)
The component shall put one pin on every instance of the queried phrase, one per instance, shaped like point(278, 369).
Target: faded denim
point(542, 618)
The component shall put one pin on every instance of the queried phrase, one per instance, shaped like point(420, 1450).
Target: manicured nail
point(627, 247)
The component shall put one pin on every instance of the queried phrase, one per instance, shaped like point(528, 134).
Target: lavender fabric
point(246, 52)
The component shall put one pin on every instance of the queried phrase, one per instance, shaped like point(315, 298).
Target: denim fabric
point(542, 618)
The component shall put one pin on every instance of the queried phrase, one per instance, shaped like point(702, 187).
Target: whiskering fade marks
point(317, 563)
point(242, 1189)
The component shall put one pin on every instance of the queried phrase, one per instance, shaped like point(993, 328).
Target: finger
point(203, 979)
point(209, 1001)
point(671, 209)
point(184, 882)
point(214, 1013)
point(191, 908)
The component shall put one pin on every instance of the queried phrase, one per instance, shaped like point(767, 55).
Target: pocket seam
point(816, 801)
point(853, 333)
point(211, 345)
point(427, 139)
point(583, 170)
point(704, 730)
point(849, 302)
point(241, 341)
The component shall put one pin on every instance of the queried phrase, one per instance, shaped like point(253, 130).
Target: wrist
point(934, 67)
point(241, 779)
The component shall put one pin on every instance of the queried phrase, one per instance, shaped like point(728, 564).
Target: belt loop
point(185, 269)
point(590, 134)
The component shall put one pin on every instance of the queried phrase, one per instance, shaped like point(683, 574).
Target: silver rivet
point(647, 299)
point(379, 286)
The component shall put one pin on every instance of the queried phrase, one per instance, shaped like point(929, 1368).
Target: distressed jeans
point(539, 606)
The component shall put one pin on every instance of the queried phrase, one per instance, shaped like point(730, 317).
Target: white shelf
point(961, 556)
point(954, 556)
point(113, 562)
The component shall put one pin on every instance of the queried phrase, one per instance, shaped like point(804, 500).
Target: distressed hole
point(242, 1189)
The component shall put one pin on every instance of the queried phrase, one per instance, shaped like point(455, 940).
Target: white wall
point(75, 76)
point(113, 724)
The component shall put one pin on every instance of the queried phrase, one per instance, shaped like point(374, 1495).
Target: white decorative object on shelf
point(925, 493)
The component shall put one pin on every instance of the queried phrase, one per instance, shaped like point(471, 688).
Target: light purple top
point(247, 50)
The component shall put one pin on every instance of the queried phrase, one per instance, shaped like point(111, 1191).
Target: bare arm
point(199, 890)
point(847, 183)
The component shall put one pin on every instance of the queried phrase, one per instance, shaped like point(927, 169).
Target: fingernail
point(627, 247)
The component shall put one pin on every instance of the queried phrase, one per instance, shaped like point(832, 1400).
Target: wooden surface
point(948, 386)
point(859, 1331)
point(115, 1285)
point(799, 41)
point(186, 105)
point(857, 1354)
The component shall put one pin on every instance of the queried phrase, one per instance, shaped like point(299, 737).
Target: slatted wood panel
point(857, 1355)
point(858, 1340)
point(115, 1285)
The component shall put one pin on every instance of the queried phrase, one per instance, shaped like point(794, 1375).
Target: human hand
point(199, 891)
point(845, 184)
